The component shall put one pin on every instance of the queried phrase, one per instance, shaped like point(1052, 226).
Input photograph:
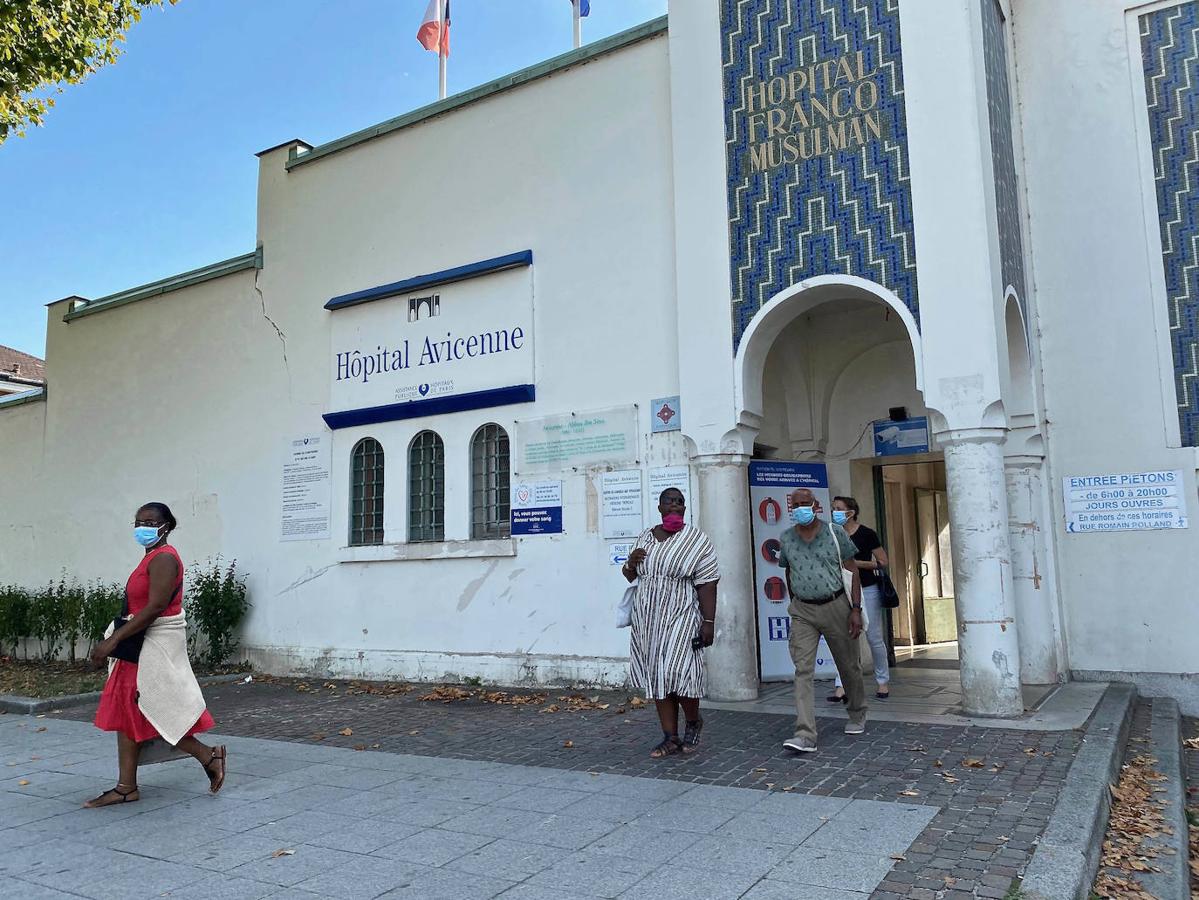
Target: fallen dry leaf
point(636, 701)
point(972, 763)
point(445, 694)
point(938, 763)
point(899, 858)
point(568, 744)
point(949, 779)
point(360, 746)
point(909, 793)
point(279, 853)
point(415, 731)
point(23, 782)
point(318, 736)
point(43, 728)
point(346, 732)
point(374, 746)
point(769, 785)
point(1191, 743)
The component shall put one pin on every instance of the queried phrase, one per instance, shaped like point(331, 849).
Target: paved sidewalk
point(992, 789)
point(313, 821)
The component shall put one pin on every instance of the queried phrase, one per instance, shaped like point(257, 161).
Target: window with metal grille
point(489, 484)
point(366, 493)
point(426, 488)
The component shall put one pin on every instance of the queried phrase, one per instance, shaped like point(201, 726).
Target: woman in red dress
point(154, 589)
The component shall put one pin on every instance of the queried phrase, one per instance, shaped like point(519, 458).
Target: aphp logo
point(778, 627)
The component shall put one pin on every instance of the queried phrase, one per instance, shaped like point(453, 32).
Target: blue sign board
point(790, 475)
point(666, 414)
point(901, 438)
point(537, 508)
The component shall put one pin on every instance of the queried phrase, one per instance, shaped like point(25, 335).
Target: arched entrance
point(826, 371)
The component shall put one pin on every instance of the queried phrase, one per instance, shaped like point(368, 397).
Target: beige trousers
point(808, 623)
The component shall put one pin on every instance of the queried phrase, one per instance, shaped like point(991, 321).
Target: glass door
point(935, 565)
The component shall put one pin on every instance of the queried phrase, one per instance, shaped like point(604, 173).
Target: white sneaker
point(855, 727)
point(800, 745)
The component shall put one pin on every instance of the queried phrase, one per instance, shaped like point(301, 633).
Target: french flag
point(434, 31)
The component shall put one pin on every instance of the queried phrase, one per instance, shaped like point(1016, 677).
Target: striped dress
point(666, 614)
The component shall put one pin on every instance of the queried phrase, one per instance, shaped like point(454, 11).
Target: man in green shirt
point(814, 553)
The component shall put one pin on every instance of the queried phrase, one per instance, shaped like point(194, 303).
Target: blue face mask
point(803, 515)
point(146, 535)
point(840, 516)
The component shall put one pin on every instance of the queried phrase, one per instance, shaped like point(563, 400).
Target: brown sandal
point(126, 797)
point(216, 779)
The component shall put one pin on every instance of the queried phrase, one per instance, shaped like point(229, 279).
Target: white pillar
point(988, 644)
point(723, 507)
point(1031, 583)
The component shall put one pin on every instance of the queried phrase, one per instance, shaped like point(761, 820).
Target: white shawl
point(168, 694)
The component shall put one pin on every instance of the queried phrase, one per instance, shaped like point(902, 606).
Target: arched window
point(489, 483)
point(426, 488)
point(366, 493)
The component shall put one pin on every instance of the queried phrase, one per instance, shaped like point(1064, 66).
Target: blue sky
point(147, 169)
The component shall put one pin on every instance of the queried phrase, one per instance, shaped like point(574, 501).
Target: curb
point(1064, 864)
point(33, 706)
point(1165, 736)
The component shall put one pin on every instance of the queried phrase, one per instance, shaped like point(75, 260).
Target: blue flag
point(584, 7)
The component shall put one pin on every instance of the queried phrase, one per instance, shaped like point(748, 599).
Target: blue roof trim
point(446, 276)
point(412, 409)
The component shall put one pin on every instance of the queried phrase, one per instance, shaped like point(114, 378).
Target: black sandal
point(215, 780)
point(833, 698)
point(691, 735)
point(669, 747)
point(95, 803)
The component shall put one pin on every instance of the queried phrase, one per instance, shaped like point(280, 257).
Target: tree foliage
point(46, 44)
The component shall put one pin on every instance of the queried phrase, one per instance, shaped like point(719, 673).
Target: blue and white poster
point(536, 508)
point(901, 438)
point(769, 484)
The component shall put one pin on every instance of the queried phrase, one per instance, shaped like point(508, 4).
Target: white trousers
point(872, 600)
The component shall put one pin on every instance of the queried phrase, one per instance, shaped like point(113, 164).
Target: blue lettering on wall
point(356, 365)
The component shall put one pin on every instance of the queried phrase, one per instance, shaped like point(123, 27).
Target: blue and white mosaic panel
point(816, 139)
point(1170, 51)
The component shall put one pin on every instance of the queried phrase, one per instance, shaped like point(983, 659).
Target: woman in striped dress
point(674, 618)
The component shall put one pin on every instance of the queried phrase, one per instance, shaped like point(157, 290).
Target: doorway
point(913, 514)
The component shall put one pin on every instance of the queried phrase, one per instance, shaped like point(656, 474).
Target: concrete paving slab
point(596, 875)
point(365, 878)
point(434, 846)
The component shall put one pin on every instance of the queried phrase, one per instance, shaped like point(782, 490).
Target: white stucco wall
point(195, 393)
point(1125, 603)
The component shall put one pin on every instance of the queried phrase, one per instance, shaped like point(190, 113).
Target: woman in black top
point(870, 556)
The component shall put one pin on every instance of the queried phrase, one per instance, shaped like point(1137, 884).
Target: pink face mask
point(672, 522)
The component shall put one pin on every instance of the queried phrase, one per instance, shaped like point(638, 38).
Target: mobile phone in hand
point(697, 643)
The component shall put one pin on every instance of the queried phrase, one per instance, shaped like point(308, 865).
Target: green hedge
point(66, 611)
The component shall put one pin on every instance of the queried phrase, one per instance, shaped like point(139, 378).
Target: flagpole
point(578, 24)
point(441, 54)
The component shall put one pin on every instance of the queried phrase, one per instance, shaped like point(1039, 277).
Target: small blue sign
point(901, 438)
point(666, 414)
point(779, 627)
point(547, 520)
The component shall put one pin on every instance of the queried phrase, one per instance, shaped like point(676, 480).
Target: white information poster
point(306, 486)
point(579, 439)
point(769, 485)
point(618, 554)
point(620, 512)
point(669, 477)
point(1125, 501)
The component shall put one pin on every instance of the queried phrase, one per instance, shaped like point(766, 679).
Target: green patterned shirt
point(813, 569)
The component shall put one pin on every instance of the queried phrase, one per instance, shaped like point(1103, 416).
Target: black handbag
point(130, 649)
point(888, 596)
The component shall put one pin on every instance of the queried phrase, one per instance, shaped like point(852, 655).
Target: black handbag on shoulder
point(888, 596)
point(130, 649)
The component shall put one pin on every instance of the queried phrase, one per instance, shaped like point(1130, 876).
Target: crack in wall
point(278, 331)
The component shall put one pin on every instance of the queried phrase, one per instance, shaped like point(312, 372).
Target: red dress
point(118, 710)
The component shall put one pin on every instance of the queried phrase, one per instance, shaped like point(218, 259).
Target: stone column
point(978, 513)
point(723, 514)
point(1030, 579)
